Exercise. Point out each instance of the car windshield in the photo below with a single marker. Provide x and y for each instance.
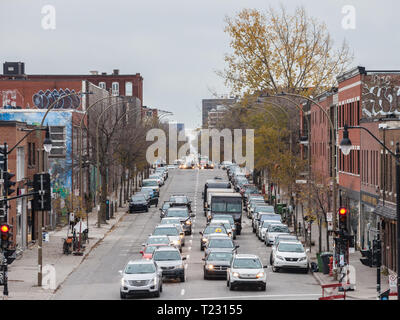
(166, 255)
(291, 247)
(169, 231)
(274, 217)
(135, 268)
(179, 199)
(282, 228)
(226, 207)
(177, 213)
(138, 198)
(220, 243)
(150, 183)
(248, 263)
(220, 256)
(264, 209)
(170, 221)
(158, 240)
(215, 229)
(224, 217)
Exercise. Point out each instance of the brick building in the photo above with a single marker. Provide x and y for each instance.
(23, 162)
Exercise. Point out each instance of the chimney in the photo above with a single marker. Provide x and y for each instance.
(116, 72)
(94, 73)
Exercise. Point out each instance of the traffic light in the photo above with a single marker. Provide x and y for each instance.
(42, 196)
(5, 231)
(376, 253)
(342, 218)
(8, 183)
(367, 260)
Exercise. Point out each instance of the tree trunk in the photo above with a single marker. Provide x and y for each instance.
(120, 190)
(103, 197)
(320, 234)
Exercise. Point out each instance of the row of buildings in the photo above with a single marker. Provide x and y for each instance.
(24, 100)
(366, 177)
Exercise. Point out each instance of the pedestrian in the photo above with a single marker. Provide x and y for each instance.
(156, 202)
(71, 220)
(300, 228)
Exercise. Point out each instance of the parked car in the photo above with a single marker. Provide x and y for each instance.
(273, 230)
(171, 263)
(216, 263)
(173, 234)
(153, 198)
(266, 216)
(290, 255)
(138, 203)
(139, 277)
(151, 183)
(246, 270)
(279, 238)
(158, 177)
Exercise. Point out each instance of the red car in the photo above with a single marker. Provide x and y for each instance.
(147, 252)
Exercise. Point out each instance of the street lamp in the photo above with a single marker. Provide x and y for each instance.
(345, 146)
(47, 144)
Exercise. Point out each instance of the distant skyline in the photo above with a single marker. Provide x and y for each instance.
(175, 45)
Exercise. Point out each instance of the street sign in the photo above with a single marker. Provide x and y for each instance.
(393, 282)
(301, 181)
(329, 217)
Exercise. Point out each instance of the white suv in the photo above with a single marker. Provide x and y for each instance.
(290, 255)
(246, 270)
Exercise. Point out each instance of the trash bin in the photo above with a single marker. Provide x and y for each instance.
(107, 209)
(320, 268)
(325, 261)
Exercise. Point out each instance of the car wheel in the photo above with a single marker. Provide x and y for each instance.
(231, 287)
(157, 294)
(205, 276)
(122, 295)
(147, 209)
(160, 288)
(263, 287)
(270, 259)
(182, 278)
(275, 269)
(306, 270)
(180, 249)
(254, 230)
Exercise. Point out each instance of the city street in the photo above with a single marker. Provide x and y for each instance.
(97, 276)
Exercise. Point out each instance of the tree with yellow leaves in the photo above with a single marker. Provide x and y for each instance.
(275, 51)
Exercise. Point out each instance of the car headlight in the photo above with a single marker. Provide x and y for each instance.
(280, 258)
(204, 240)
(260, 275)
(188, 222)
(181, 236)
(177, 242)
(209, 267)
(124, 282)
(236, 275)
(303, 258)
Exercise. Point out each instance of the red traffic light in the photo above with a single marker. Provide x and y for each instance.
(4, 228)
(342, 211)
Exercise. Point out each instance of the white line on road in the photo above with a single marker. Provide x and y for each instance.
(182, 292)
(261, 296)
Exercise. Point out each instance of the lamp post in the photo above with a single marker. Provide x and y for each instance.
(345, 147)
(41, 169)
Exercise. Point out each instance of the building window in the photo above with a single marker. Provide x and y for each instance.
(102, 85)
(128, 89)
(57, 135)
(115, 89)
(20, 163)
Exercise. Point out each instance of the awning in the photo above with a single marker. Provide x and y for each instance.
(386, 212)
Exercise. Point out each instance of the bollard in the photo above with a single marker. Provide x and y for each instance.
(107, 209)
(112, 210)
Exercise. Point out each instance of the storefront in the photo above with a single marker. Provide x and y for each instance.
(387, 216)
(368, 220)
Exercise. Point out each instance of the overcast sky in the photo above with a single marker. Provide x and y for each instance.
(176, 45)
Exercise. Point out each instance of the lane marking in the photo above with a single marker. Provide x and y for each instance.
(182, 292)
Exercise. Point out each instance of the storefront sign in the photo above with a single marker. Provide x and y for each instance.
(368, 199)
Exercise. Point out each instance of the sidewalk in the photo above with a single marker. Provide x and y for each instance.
(22, 275)
(365, 277)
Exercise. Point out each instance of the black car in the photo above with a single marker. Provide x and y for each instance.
(216, 263)
(164, 208)
(181, 201)
(137, 203)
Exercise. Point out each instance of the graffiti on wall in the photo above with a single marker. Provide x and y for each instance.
(381, 95)
(44, 99)
(9, 97)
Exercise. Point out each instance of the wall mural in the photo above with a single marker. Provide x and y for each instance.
(43, 99)
(9, 97)
(380, 95)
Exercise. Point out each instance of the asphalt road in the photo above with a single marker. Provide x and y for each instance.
(97, 277)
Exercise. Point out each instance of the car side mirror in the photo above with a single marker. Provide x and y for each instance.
(237, 247)
(201, 232)
(307, 250)
(141, 251)
(120, 272)
(265, 267)
(192, 215)
(183, 258)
